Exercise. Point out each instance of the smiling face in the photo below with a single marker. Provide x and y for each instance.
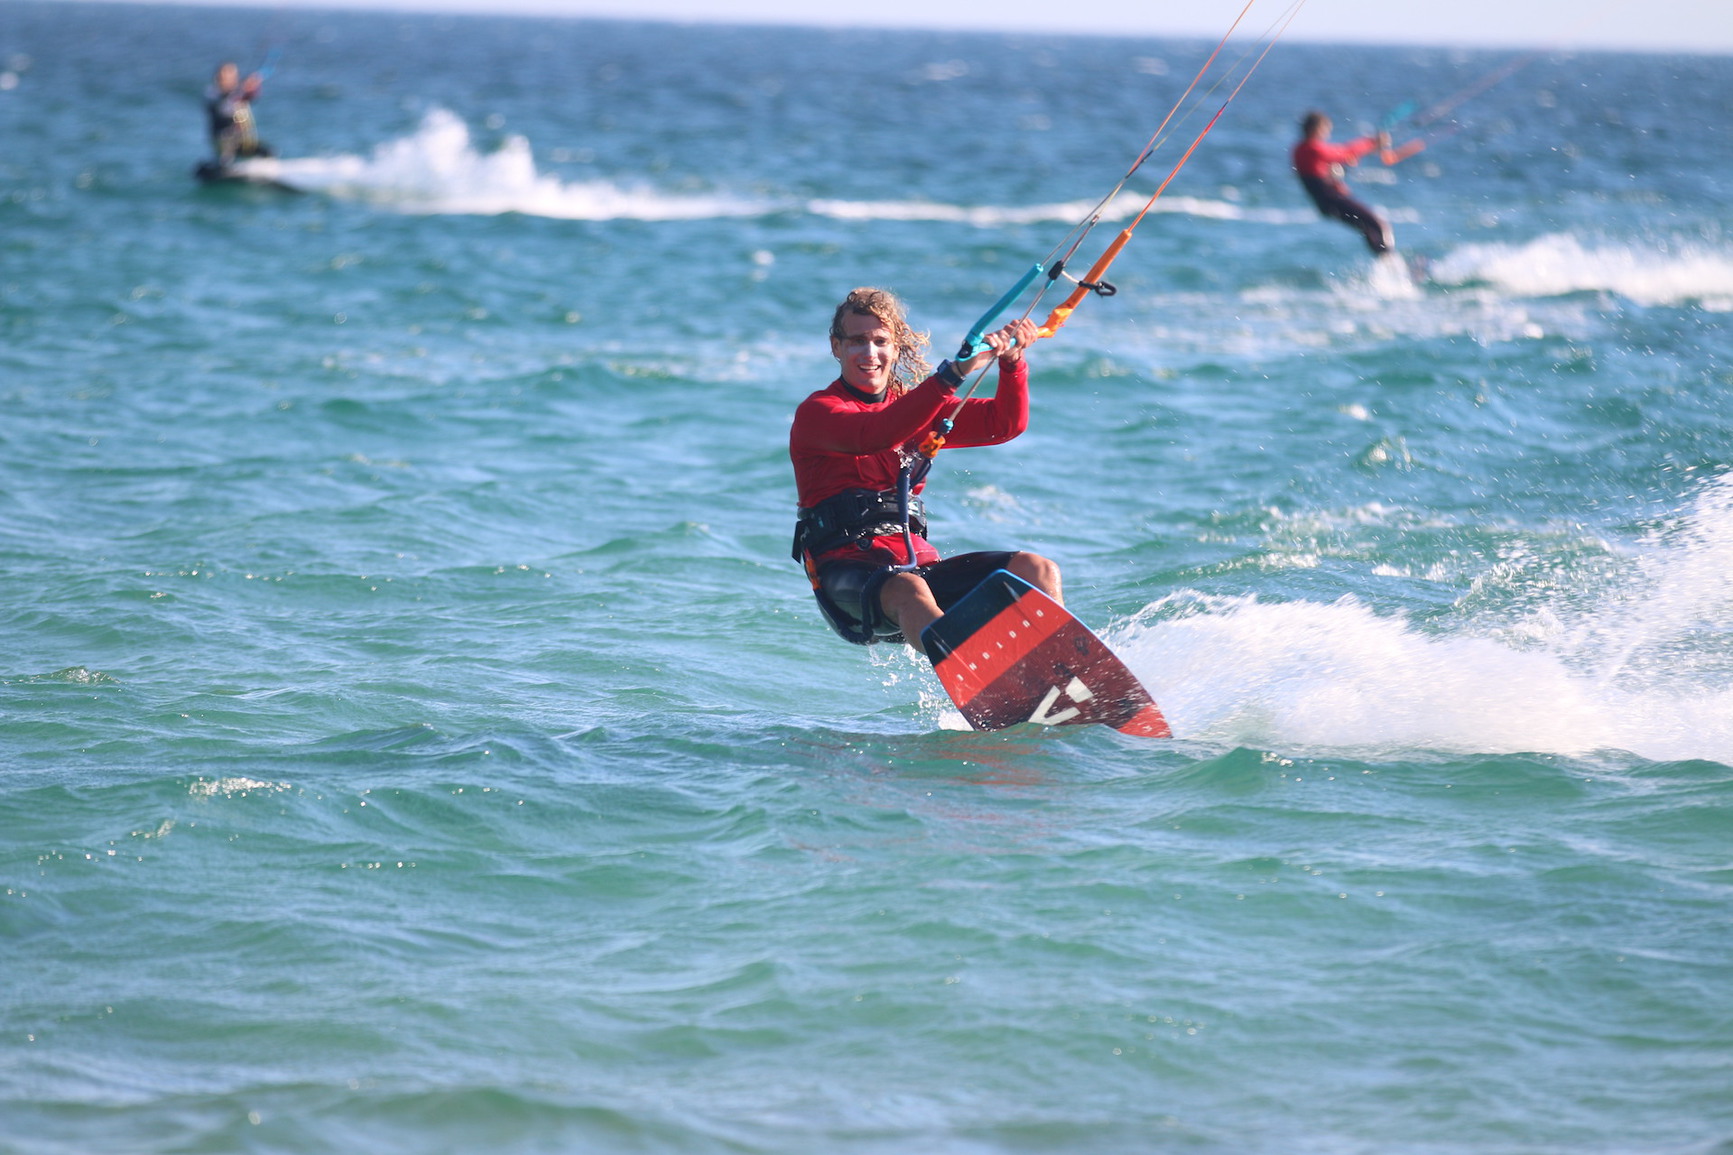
(867, 351)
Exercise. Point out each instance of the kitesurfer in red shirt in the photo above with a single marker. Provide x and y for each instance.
(1319, 162)
(850, 443)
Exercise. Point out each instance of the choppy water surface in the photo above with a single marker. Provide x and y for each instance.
(414, 737)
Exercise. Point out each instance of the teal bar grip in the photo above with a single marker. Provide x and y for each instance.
(972, 343)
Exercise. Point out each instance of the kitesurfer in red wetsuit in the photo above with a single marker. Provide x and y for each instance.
(849, 445)
(1318, 162)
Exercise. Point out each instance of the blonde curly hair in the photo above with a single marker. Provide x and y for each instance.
(884, 305)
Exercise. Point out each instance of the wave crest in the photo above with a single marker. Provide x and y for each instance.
(1557, 264)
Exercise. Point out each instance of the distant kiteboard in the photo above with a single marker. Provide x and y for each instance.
(260, 172)
(1008, 653)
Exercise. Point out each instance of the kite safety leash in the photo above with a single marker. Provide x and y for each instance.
(1095, 280)
(1098, 272)
(1053, 265)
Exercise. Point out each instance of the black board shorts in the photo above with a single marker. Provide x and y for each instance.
(1351, 212)
(851, 586)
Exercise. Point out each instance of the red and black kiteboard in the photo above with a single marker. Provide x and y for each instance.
(1008, 653)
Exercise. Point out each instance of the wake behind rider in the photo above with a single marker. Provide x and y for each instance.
(851, 441)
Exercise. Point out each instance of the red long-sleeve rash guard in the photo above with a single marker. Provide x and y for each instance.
(1317, 159)
(840, 442)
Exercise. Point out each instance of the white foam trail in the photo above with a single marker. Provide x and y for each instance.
(1645, 670)
(1663, 274)
(437, 169)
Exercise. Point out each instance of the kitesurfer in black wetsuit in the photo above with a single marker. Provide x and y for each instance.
(229, 106)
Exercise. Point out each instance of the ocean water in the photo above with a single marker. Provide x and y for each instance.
(415, 738)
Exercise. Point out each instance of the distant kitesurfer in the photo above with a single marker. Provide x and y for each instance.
(229, 105)
(850, 443)
(1319, 163)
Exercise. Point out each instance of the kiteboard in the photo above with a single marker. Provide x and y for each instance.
(1007, 653)
(260, 172)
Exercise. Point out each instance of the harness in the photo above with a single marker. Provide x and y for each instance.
(854, 517)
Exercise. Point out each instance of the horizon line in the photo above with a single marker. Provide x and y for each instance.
(543, 9)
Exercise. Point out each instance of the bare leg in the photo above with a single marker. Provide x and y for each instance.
(1040, 572)
(906, 600)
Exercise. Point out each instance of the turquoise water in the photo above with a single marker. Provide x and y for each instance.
(415, 738)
